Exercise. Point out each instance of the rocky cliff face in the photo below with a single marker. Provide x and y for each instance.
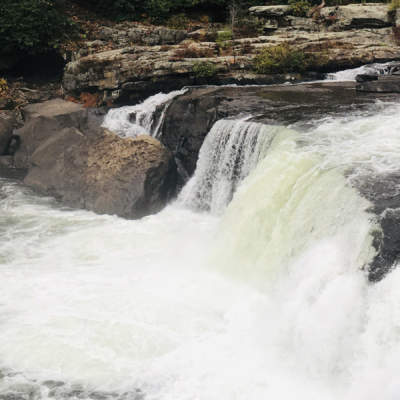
(129, 62)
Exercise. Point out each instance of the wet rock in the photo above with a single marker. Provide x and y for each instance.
(13, 396)
(190, 116)
(383, 84)
(6, 162)
(384, 194)
(366, 78)
(8, 122)
(53, 384)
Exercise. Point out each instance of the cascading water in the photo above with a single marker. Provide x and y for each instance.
(230, 151)
(141, 119)
(267, 301)
(370, 69)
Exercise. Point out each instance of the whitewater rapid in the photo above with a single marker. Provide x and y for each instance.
(264, 298)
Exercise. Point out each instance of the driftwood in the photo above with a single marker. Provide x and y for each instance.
(315, 12)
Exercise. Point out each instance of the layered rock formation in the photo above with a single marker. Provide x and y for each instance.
(129, 62)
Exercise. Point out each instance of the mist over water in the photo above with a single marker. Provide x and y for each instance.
(266, 298)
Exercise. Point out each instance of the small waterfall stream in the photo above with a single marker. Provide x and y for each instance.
(145, 118)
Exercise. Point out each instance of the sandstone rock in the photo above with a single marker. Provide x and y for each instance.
(7, 125)
(104, 173)
(44, 120)
(270, 11)
(132, 73)
(357, 16)
(302, 24)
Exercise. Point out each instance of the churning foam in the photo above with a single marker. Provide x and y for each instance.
(370, 69)
(267, 301)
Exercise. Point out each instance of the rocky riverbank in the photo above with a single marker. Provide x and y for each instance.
(129, 62)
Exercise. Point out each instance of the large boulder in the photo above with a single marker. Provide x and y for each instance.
(104, 173)
(44, 120)
(69, 156)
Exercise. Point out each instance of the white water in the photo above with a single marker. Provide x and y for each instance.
(370, 69)
(140, 119)
(231, 150)
(266, 302)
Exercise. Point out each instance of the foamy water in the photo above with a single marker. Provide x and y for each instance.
(266, 301)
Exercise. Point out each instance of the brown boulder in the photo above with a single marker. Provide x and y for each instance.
(104, 173)
(44, 120)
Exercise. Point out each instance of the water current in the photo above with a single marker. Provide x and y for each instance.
(249, 286)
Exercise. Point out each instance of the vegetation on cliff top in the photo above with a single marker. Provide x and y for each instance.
(32, 26)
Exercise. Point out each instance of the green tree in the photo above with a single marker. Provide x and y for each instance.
(32, 26)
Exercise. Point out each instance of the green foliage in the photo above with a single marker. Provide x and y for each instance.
(3, 87)
(32, 26)
(394, 5)
(299, 8)
(158, 10)
(282, 59)
(179, 21)
(204, 70)
(224, 39)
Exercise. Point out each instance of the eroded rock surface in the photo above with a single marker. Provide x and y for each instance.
(70, 157)
(131, 62)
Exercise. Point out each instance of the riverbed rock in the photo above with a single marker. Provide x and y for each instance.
(104, 173)
(7, 124)
(382, 84)
(189, 117)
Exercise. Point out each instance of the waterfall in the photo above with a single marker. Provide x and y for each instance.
(262, 295)
(370, 69)
(229, 153)
(145, 118)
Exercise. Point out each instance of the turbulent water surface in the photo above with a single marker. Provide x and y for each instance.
(261, 298)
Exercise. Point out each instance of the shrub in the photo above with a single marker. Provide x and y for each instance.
(394, 5)
(299, 8)
(204, 70)
(3, 87)
(32, 26)
(281, 59)
(180, 21)
(187, 51)
(224, 39)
